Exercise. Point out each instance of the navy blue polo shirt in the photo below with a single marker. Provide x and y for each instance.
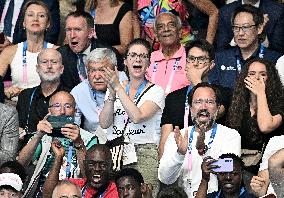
(226, 71)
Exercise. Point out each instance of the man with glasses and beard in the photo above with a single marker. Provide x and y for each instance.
(185, 149)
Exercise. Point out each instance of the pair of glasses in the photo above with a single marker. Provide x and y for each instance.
(208, 102)
(47, 62)
(134, 56)
(200, 59)
(245, 28)
(58, 106)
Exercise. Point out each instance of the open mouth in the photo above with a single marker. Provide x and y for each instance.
(97, 178)
(74, 43)
(137, 66)
(229, 185)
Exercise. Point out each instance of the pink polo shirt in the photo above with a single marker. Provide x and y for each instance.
(169, 74)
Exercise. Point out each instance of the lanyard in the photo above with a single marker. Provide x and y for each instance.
(140, 89)
(260, 55)
(170, 80)
(242, 191)
(30, 105)
(69, 158)
(186, 108)
(25, 69)
(211, 139)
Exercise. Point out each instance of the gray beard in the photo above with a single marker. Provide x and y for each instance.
(204, 126)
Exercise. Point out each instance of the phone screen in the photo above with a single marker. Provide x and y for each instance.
(225, 165)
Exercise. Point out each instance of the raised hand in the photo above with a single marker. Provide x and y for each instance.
(71, 131)
(44, 126)
(111, 78)
(194, 73)
(57, 148)
(207, 167)
(258, 186)
(181, 141)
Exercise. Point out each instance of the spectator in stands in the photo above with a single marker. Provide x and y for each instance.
(230, 183)
(167, 68)
(12, 14)
(21, 57)
(130, 184)
(275, 168)
(138, 105)
(150, 10)
(66, 189)
(33, 103)
(247, 25)
(98, 166)
(79, 34)
(90, 94)
(260, 184)
(257, 109)
(14, 167)
(71, 137)
(200, 60)
(184, 150)
(273, 30)
(113, 22)
(10, 185)
(9, 133)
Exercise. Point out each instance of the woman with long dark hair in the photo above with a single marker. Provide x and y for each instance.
(257, 108)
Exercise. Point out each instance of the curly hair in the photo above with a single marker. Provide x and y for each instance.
(240, 101)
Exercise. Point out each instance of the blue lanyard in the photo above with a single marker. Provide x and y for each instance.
(212, 136)
(25, 48)
(186, 107)
(140, 89)
(30, 105)
(260, 55)
(242, 191)
(69, 158)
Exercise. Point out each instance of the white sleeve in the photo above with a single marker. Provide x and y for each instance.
(171, 162)
(232, 143)
(78, 113)
(155, 94)
(274, 144)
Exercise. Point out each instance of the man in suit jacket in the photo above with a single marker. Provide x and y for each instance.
(273, 30)
(9, 133)
(20, 34)
(79, 33)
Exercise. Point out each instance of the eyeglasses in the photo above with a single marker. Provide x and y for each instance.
(91, 163)
(200, 59)
(46, 62)
(134, 56)
(58, 106)
(208, 102)
(245, 28)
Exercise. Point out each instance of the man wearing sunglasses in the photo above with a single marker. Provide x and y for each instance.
(40, 147)
(247, 26)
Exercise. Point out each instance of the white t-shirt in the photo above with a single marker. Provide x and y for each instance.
(280, 67)
(174, 165)
(275, 144)
(144, 132)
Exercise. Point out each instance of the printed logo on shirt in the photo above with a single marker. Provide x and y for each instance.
(229, 68)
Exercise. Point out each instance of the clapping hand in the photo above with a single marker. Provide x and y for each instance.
(111, 78)
(181, 141)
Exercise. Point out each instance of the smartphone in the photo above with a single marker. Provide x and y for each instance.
(2, 38)
(225, 165)
(58, 122)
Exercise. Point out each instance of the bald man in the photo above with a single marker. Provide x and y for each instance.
(40, 149)
(33, 103)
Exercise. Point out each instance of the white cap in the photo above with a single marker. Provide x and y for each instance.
(11, 179)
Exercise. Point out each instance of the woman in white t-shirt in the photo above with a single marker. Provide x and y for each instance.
(22, 57)
(143, 127)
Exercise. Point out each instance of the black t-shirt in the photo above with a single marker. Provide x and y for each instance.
(34, 111)
(175, 103)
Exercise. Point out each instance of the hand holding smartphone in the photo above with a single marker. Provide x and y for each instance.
(224, 165)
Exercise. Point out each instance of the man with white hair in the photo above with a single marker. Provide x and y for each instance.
(90, 93)
(66, 188)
